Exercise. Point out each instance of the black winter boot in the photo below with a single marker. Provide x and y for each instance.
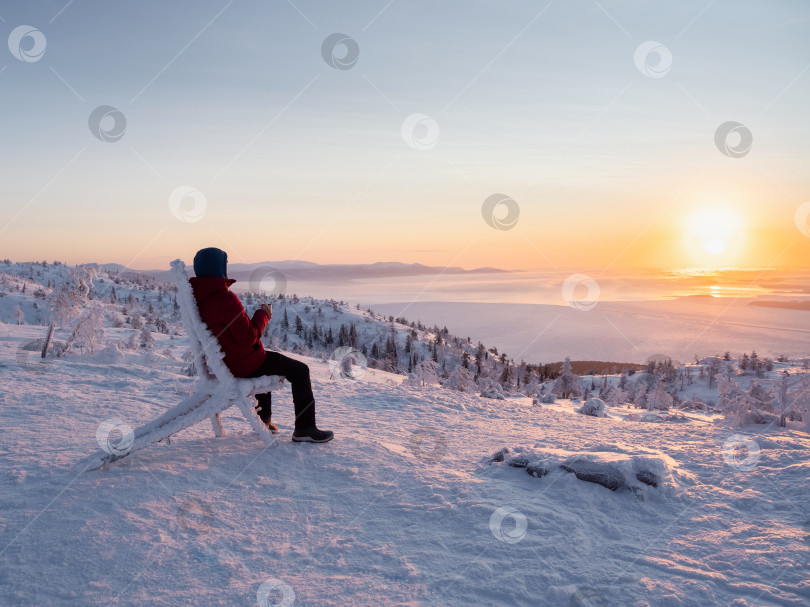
(312, 435)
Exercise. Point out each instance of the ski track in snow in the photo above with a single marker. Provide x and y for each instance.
(397, 510)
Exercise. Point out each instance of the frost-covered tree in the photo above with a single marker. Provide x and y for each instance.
(780, 392)
(800, 408)
(132, 341)
(146, 338)
(67, 299)
(605, 389)
(745, 363)
(617, 396)
(712, 371)
(637, 393)
(534, 387)
(88, 332)
(567, 384)
(659, 399)
(791, 395)
(480, 356)
(506, 375)
(19, 315)
(460, 380)
(760, 396)
(741, 406)
(424, 374)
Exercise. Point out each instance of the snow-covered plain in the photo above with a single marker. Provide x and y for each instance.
(621, 330)
(402, 508)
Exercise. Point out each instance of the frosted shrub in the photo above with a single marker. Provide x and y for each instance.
(490, 388)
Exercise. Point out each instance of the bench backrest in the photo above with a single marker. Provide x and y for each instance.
(205, 348)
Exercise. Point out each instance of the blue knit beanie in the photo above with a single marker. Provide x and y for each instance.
(211, 262)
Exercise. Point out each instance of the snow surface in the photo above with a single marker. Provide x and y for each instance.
(402, 508)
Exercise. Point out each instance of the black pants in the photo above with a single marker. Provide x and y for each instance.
(297, 373)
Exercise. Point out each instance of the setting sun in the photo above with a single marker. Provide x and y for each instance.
(714, 231)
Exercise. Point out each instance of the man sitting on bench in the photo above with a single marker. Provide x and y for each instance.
(240, 339)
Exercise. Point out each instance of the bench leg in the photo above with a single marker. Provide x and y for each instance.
(216, 424)
(246, 405)
(184, 406)
(210, 405)
(191, 410)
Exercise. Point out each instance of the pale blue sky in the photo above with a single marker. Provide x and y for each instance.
(541, 101)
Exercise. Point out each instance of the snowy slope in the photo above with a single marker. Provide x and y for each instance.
(402, 508)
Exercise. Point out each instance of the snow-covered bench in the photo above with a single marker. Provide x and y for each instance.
(215, 390)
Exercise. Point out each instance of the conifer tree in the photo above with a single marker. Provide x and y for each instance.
(566, 385)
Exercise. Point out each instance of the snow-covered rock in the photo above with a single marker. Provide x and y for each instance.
(618, 468)
(594, 407)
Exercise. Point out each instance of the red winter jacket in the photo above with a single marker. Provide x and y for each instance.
(239, 336)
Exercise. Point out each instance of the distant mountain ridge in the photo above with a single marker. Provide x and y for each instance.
(307, 270)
